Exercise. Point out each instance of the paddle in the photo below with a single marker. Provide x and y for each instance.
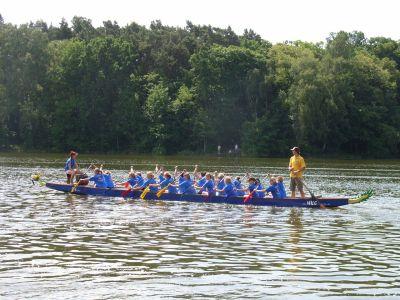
(311, 193)
(162, 191)
(249, 196)
(128, 189)
(144, 193)
(74, 186)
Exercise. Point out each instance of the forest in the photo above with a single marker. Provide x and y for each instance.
(173, 90)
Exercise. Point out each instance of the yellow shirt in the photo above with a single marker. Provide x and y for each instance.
(297, 163)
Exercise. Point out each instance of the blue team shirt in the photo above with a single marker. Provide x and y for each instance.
(161, 178)
(273, 189)
(281, 189)
(171, 189)
(108, 180)
(238, 186)
(220, 186)
(208, 186)
(132, 181)
(260, 194)
(186, 187)
(98, 180)
(68, 162)
(257, 187)
(229, 190)
(139, 180)
(150, 181)
(202, 181)
(252, 187)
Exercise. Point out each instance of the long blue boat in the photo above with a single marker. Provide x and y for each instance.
(316, 202)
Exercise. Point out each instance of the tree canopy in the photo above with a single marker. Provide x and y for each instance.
(168, 90)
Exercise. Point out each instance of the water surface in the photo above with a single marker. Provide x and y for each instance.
(55, 245)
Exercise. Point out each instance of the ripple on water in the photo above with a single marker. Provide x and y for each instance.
(62, 246)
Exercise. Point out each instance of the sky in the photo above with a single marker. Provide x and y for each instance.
(276, 21)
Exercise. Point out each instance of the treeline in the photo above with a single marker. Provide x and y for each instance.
(170, 90)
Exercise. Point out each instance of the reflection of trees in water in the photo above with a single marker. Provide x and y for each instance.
(295, 219)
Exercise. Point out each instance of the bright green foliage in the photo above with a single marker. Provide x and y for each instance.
(167, 90)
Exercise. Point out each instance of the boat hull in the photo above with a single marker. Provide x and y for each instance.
(121, 192)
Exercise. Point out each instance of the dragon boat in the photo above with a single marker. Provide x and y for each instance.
(316, 202)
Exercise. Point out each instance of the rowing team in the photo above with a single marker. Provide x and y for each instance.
(186, 183)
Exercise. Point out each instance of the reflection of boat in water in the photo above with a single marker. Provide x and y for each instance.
(286, 202)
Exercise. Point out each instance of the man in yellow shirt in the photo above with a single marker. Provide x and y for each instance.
(296, 168)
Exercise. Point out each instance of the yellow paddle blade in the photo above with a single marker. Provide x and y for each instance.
(160, 192)
(146, 190)
(74, 187)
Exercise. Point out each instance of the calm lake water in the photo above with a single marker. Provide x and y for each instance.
(60, 246)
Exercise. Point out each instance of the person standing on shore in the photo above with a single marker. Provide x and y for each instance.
(296, 168)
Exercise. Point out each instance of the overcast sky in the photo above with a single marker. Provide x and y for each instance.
(276, 21)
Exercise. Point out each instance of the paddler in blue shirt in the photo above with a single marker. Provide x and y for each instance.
(160, 173)
(281, 187)
(239, 187)
(168, 181)
(259, 189)
(150, 181)
(186, 185)
(273, 188)
(208, 185)
(132, 180)
(220, 183)
(202, 180)
(228, 189)
(139, 179)
(254, 184)
(71, 167)
(107, 177)
(98, 179)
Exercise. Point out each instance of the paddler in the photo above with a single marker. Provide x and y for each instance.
(239, 187)
(132, 180)
(273, 188)
(150, 181)
(256, 186)
(107, 177)
(228, 189)
(160, 173)
(185, 184)
(71, 167)
(296, 168)
(208, 185)
(139, 179)
(168, 180)
(202, 180)
(220, 183)
(98, 179)
(281, 187)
